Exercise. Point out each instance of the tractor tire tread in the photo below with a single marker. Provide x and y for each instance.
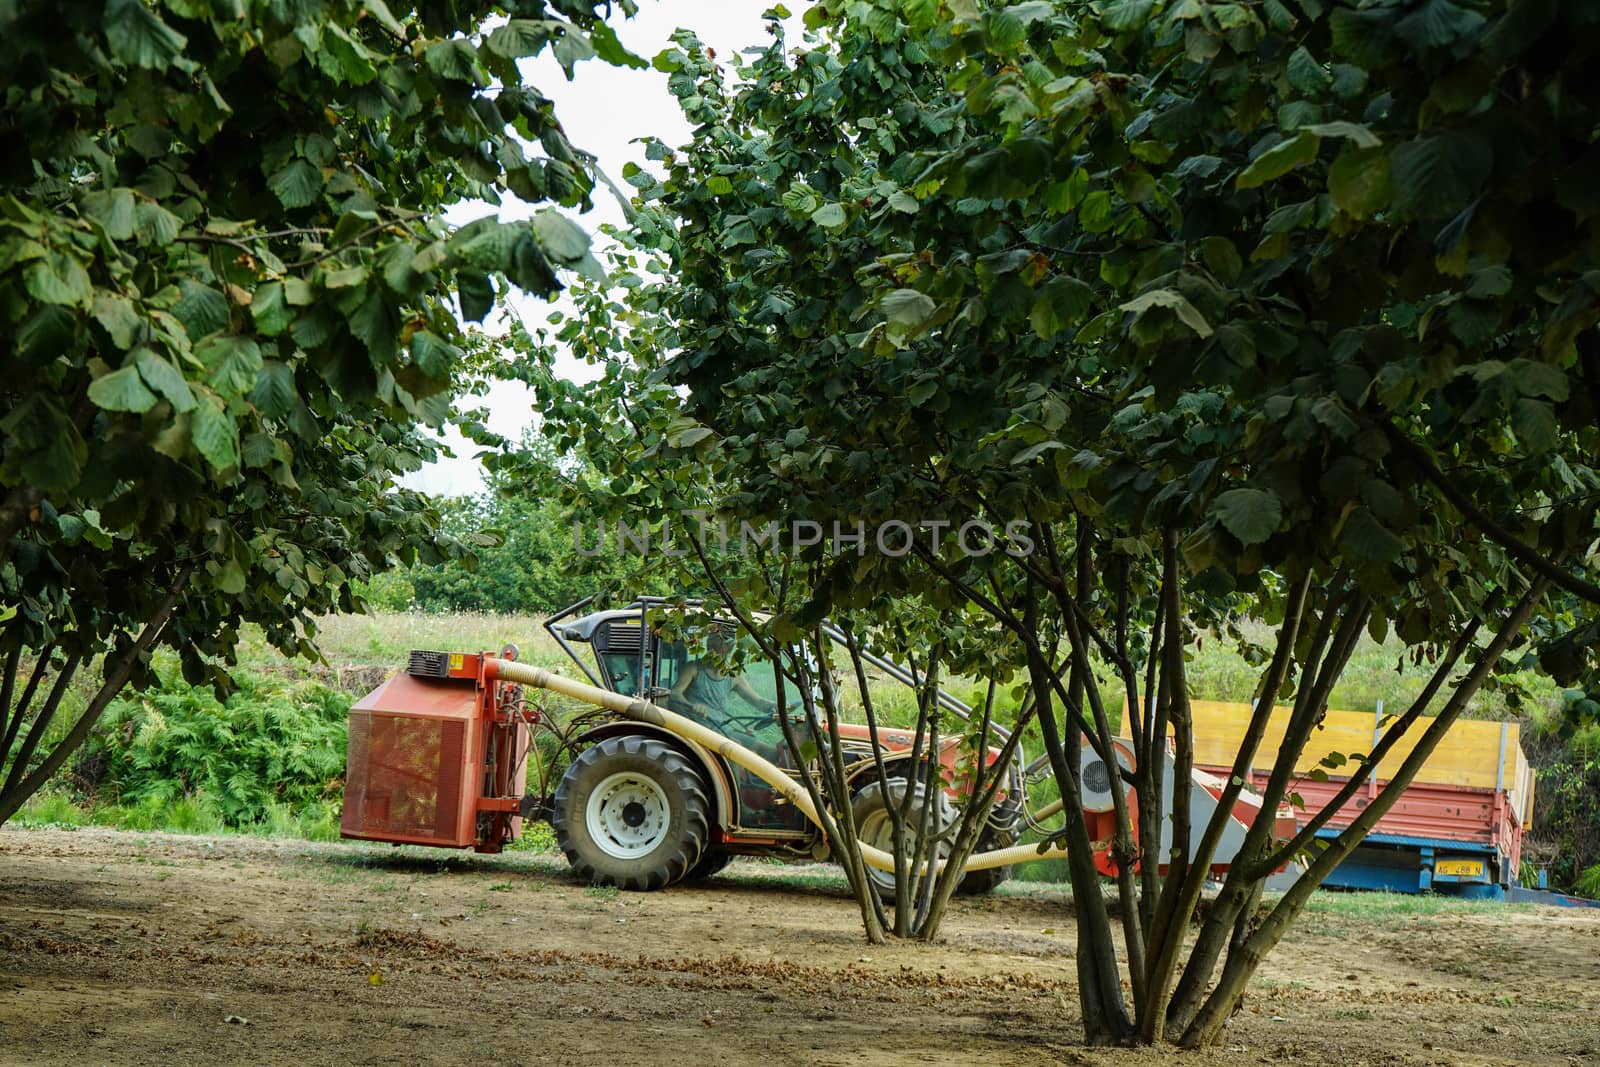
(669, 862)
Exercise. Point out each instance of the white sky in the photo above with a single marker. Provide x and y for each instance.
(604, 109)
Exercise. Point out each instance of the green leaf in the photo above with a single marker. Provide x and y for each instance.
(352, 62)
(274, 393)
(453, 60)
(346, 277)
(1120, 16)
(1280, 160)
(1222, 258)
(432, 355)
(521, 37)
(297, 292)
(372, 323)
(14, 250)
(1251, 515)
(1540, 379)
(269, 309)
(1176, 302)
(561, 239)
(379, 10)
(1362, 36)
(1489, 283)
(800, 200)
(57, 278)
(155, 226)
(1348, 80)
(1368, 539)
(1355, 132)
(689, 436)
(117, 316)
(121, 390)
(1358, 182)
(1438, 22)
(113, 209)
(1279, 17)
(230, 578)
(234, 362)
(1033, 452)
(609, 48)
(165, 379)
(1062, 302)
(476, 294)
(908, 307)
(201, 309)
(741, 232)
(1436, 176)
(902, 201)
(1306, 73)
(137, 37)
(257, 450)
(214, 434)
(829, 216)
(296, 184)
(571, 48)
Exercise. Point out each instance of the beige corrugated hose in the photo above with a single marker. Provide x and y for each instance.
(733, 752)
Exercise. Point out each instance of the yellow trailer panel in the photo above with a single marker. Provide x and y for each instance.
(1476, 754)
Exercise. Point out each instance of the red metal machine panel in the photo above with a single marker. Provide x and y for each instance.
(1445, 812)
(410, 767)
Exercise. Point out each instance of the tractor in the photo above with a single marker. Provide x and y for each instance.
(682, 764)
(439, 755)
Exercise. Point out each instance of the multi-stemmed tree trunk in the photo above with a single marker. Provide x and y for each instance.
(930, 839)
(1177, 994)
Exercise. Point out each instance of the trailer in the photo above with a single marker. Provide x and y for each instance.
(1457, 829)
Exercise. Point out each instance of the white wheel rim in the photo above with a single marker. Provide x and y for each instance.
(627, 815)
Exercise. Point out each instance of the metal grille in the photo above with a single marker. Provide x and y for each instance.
(619, 637)
(404, 777)
(423, 664)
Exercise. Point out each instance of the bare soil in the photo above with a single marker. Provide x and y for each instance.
(143, 948)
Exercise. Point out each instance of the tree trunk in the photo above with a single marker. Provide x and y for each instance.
(17, 791)
(1243, 961)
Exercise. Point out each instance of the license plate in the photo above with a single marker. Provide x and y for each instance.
(1459, 868)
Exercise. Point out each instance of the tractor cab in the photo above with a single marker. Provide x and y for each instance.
(698, 675)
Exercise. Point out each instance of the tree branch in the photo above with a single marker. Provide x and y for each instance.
(1519, 550)
(116, 678)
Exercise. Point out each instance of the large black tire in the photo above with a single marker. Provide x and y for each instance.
(710, 862)
(874, 825)
(1003, 831)
(631, 812)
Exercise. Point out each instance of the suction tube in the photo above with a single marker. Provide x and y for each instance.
(733, 752)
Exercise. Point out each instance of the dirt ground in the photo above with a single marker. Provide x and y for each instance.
(143, 948)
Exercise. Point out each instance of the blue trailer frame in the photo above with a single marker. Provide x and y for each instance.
(1400, 864)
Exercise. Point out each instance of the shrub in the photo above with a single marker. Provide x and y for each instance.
(176, 758)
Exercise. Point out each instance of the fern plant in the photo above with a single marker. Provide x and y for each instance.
(275, 745)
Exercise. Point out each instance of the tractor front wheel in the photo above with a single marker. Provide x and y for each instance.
(875, 823)
(631, 812)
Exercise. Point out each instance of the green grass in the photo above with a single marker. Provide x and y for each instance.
(1381, 909)
(384, 639)
(192, 814)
